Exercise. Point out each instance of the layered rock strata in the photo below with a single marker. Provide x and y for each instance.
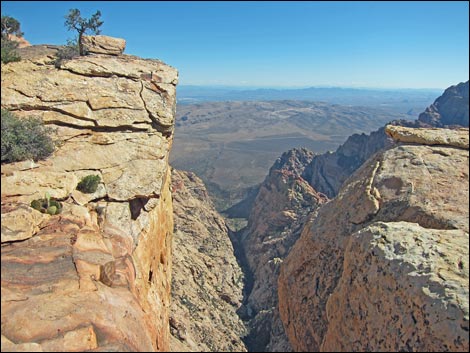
(103, 45)
(278, 215)
(384, 266)
(207, 282)
(96, 276)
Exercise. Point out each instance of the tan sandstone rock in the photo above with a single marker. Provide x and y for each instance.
(383, 266)
(22, 43)
(407, 287)
(97, 276)
(81, 93)
(20, 222)
(100, 44)
(427, 136)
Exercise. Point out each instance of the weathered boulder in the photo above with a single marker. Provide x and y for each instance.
(207, 282)
(431, 137)
(407, 288)
(97, 276)
(100, 44)
(384, 266)
(20, 222)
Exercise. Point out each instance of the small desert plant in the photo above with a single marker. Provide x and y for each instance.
(69, 51)
(9, 53)
(47, 205)
(89, 184)
(24, 138)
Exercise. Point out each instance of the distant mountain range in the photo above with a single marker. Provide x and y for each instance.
(411, 101)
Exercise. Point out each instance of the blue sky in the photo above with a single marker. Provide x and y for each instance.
(278, 44)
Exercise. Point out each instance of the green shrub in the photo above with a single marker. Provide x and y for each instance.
(9, 53)
(89, 184)
(24, 138)
(67, 52)
(10, 27)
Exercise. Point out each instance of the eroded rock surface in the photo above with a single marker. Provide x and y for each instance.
(279, 213)
(97, 276)
(431, 137)
(207, 281)
(103, 45)
(384, 266)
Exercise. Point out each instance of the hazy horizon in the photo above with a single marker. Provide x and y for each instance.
(286, 87)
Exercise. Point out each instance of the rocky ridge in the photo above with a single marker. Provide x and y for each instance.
(452, 108)
(97, 276)
(207, 282)
(279, 212)
(384, 265)
(328, 171)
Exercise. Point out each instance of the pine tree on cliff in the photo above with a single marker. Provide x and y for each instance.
(74, 21)
(10, 28)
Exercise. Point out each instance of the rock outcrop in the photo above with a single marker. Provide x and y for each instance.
(22, 43)
(96, 276)
(278, 215)
(103, 45)
(430, 136)
(384, 266)
(452, 108)
(207, 281)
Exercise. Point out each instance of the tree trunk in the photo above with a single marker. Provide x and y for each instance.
(80, 46)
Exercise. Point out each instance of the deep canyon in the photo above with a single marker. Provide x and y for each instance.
(364, 248)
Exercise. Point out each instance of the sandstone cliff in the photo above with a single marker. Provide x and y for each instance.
(278, 215)
(384, 266)
(207, 281)
(97, 276)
